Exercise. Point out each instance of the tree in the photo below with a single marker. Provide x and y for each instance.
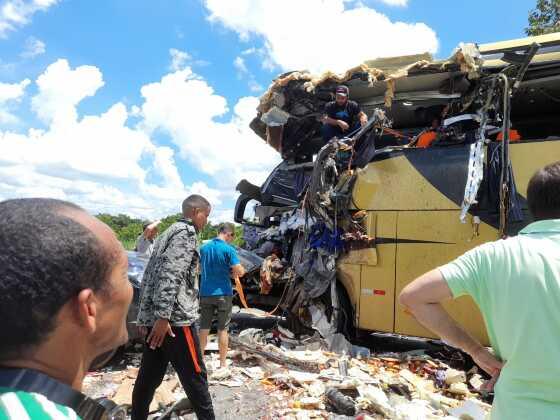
(545, 18)
(128, 229)
(125, 227)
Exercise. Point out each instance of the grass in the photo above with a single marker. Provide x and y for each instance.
(129, 244)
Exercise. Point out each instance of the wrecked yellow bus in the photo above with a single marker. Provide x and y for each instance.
(343, 225)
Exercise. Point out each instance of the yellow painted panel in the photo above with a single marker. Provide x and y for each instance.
(450, 238)
(394, 184)
(527, 158)
(377, 302)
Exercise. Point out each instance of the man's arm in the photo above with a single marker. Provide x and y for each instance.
(334, 122)
(362, 118)
(423, 298)
(330, 118)
(150, 229)
(237, 271)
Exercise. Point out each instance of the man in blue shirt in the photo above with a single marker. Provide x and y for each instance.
(219, 263)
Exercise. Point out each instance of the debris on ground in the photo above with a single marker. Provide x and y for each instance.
(309, 383)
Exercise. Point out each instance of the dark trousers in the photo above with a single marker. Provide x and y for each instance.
(183, 351)
(329, 131)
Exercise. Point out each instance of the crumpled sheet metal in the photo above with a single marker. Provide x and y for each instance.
(474, 177)
(466, 55)
(469, 58)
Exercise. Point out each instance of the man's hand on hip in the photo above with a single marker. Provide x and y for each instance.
(160, 329)
(487, 361)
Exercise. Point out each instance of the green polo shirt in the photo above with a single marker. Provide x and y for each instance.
(19, 405)
(516, 284)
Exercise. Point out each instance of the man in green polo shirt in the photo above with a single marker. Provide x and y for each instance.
(516, 284)
(64, 297)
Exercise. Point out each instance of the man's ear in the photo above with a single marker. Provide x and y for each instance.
(86, 305)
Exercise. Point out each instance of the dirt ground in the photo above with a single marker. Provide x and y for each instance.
(399, 380)
(249, 401)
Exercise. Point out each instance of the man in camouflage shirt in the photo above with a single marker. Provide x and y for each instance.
(168, 311)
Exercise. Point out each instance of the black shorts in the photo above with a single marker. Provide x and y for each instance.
(212, 306)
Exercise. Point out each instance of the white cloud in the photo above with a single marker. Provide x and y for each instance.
(401, 3)
(106, 165)
(33, 47)
(239, 64)
(221, 215)
(61, 89)
(310, 41)
(96, 161)
(11, 93)
(249, 51)
(243, 71)
(182, 59)
(17, 13)
(179, 59)
(183, 105)
(255, 87)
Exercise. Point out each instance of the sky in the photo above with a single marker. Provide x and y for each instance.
(128, 106)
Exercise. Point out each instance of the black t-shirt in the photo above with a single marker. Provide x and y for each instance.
(347, 113)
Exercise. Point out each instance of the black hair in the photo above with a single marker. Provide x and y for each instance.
(543, 193)
(226, 228)
(194, 201)
(46, 258)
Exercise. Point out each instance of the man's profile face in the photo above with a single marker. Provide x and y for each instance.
(230, 236)
(341, 99)
(200, 218)
(114, 301)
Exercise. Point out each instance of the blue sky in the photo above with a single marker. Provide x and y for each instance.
(126, 106)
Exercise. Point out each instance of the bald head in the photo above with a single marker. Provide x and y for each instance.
(50, 250)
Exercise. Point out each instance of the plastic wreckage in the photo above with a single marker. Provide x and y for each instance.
(301, 379)
(343, 226)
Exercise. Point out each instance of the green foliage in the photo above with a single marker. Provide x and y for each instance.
(168, 221)
(211, 231)
(545, 18)
(125, 227)
(128, 229)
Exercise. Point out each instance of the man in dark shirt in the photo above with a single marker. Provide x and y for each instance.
(342, 116)
(169, 311)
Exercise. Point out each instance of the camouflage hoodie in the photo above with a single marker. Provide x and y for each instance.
(169, 282)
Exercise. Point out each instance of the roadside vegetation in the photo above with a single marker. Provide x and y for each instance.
(128, 228)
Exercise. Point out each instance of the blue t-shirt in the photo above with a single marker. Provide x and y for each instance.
(216, 259)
